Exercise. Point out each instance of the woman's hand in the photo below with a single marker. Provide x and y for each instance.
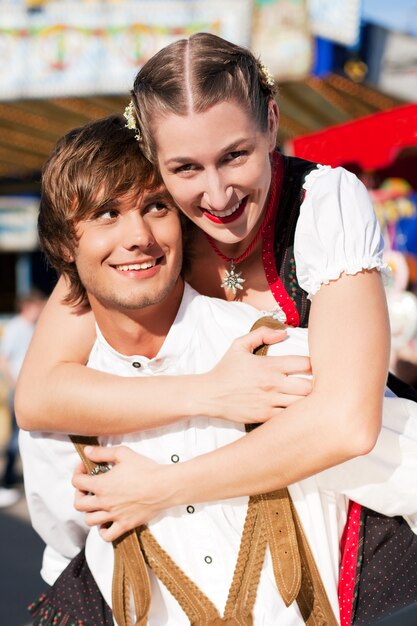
(123, 498)
(245, 388)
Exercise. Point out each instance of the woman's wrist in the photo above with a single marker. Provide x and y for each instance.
(197, 396)
(174, 485)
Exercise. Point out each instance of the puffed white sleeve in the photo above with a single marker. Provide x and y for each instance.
(337, 230)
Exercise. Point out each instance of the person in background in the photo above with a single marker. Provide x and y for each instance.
(13, 346)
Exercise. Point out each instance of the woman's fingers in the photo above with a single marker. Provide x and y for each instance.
(246, 388)
(256, 338)
(80, 469)
(109, 454)
(84, 482)
(291, 364)
(85, 502)
(292, 384)
(113, 532)
(128, 495)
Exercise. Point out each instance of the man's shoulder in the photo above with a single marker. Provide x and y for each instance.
(235, 317)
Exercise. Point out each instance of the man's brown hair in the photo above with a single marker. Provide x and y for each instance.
(88, 167)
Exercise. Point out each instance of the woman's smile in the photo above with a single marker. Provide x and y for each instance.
(228, 215)
(216, 165)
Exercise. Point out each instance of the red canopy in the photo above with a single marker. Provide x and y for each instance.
(372, 142)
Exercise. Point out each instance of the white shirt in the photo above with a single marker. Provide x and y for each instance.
(200, 335)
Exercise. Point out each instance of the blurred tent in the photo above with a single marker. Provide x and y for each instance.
(380, 147)
(29, 128)
(372, 142)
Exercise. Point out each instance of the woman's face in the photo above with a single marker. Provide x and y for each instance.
(216, 165)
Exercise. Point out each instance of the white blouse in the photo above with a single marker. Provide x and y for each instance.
(337, 230)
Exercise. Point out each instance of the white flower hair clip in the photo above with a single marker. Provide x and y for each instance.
(129, 116)
(268, 76)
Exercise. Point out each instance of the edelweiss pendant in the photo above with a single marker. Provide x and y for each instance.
(232, 279)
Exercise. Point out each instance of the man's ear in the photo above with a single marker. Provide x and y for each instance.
(273, 123)
(67, 255)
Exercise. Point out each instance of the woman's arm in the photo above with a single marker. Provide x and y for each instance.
(57, 392)
(340, 419)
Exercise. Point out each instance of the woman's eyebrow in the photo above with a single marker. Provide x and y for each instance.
(236, 144)
(180, 159)
(183, 160)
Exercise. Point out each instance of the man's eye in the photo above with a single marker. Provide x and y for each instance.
(157, 207)
(106, 215)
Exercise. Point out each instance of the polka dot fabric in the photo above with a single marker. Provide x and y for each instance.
(388, 569)
(74, 600)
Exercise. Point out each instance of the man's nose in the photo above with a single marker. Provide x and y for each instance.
(217, 192)
(137, 232)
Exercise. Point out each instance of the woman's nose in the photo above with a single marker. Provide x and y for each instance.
(217, 193)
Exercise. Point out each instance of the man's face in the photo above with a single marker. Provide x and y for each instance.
(129, 254)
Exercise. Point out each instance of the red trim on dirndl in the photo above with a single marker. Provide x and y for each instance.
(349, 547)
(275, 284)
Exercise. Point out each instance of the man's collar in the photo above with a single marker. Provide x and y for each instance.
(175, 343)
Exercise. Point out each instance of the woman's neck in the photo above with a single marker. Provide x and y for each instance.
(207, 273)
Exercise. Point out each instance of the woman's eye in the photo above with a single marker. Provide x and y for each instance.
(188, 167)
(236, 155)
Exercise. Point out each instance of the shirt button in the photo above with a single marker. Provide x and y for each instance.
(190, 509)
(136, 364)
(208, 559)
(175, 458)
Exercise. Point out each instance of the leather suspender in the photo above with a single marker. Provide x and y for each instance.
(295, 570)
(271, 520)
(129, 573)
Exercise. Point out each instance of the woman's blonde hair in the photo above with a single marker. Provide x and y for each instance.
(191, 75)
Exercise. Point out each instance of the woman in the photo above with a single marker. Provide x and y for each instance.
(206, 117)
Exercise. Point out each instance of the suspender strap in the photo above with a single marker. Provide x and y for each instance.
(195, 604)
(277, 516)
(242, 593)
(312, 599)
(129, 573)
(295, 569)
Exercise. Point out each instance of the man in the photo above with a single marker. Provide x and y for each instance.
(118, 240)
(13, 346)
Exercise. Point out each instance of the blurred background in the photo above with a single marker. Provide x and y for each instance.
(347, 75)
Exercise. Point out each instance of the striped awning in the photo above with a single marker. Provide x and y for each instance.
(30, 128)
